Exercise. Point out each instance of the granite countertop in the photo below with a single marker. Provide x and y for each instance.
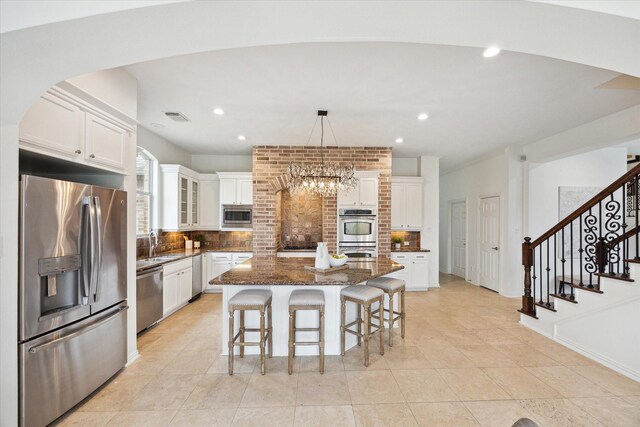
(290, 271)
(176, 255)
(410, 250)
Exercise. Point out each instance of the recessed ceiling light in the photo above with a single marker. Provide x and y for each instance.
(157, 125)
(242, 137)
(399, 140)
(423, 116)
(490, 52)
(218, 111)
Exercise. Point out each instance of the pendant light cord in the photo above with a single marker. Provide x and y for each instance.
(322, 142)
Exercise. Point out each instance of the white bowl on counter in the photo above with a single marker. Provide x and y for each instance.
(337, 262)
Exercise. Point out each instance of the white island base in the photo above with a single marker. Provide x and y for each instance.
(304, 319)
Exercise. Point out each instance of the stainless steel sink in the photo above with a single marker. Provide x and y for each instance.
(165, 257)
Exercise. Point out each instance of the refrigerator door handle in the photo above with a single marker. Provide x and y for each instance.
(86, 250)
(57, 341)
(98, 211)
(92, 246)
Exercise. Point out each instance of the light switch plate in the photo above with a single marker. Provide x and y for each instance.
(407, 243)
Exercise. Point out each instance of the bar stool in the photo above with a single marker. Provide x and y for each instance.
(258, 299)
(390, 287)
(306, 299)
(361, 295)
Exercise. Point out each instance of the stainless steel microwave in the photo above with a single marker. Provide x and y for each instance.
(237, 216)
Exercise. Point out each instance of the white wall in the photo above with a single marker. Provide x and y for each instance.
(405, 166)
(616, 128)
(9, 276)
(114, 87)
(209, 163)
(484, 178)
(429, 168)
(595, 169)
(162, 149)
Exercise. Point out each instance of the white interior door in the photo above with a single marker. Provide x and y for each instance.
(489, 238)
(459, 239)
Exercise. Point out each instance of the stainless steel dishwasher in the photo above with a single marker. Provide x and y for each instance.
(148, 298)
(196, 281)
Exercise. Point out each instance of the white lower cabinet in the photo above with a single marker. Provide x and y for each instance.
(416, 269)
(176, 285)
(170, 284)
(218, 263)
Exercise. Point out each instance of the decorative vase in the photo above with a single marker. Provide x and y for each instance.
(322, 256)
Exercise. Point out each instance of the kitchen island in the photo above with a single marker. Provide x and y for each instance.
(281, 276)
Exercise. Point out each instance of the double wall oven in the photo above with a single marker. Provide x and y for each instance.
(358, 233)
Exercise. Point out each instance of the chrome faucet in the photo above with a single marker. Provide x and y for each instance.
(152, 246)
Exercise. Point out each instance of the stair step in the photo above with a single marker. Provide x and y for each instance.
(548, 306)
(576, 282)
(594, 287)
(615, 276)
(528, 314)
(564, 298)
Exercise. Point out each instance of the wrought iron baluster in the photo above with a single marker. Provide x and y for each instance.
(563, 261)
(541, 285)
(533, 266)
(635, 207)
(581, 251)
(555, 264)
(548, 269)
(624, 264)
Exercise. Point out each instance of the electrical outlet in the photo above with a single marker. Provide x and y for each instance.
(407, 243)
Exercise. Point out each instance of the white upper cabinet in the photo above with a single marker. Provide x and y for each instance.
(104, 142)
(180, 199)
(245, 189)
(364, 195)
(406, 203)
(64, 126)
(397, 205)
(236, 188)
(209, 202)
(53, 124)
(368, 192)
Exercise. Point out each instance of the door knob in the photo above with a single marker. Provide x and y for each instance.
(495, 249)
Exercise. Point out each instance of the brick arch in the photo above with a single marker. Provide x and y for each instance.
(279, 183)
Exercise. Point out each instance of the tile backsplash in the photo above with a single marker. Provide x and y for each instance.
(173, 240)
(413, 237)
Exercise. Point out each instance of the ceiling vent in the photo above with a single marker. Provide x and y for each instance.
(176, 117)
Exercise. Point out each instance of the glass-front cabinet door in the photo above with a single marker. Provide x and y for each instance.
(194, 202)
(184, 201)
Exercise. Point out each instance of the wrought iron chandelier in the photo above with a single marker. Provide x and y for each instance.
(325, 179)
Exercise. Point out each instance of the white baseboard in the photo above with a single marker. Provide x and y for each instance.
(629, 373)
(600, 359)
(132, 358)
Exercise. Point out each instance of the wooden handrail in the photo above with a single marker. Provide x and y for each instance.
(588, 205)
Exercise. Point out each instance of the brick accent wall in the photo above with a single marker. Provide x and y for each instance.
(269, 176)
(301, 219)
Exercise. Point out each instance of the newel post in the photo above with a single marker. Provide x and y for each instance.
(528, 307)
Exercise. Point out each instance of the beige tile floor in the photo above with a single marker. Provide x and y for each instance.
(465, 362)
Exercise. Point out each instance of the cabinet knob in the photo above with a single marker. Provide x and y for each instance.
(93, 156)
(78, 151)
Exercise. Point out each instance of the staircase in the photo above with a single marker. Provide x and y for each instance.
(580, 277)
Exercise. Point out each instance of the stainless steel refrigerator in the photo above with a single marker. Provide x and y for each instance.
(73, 290)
